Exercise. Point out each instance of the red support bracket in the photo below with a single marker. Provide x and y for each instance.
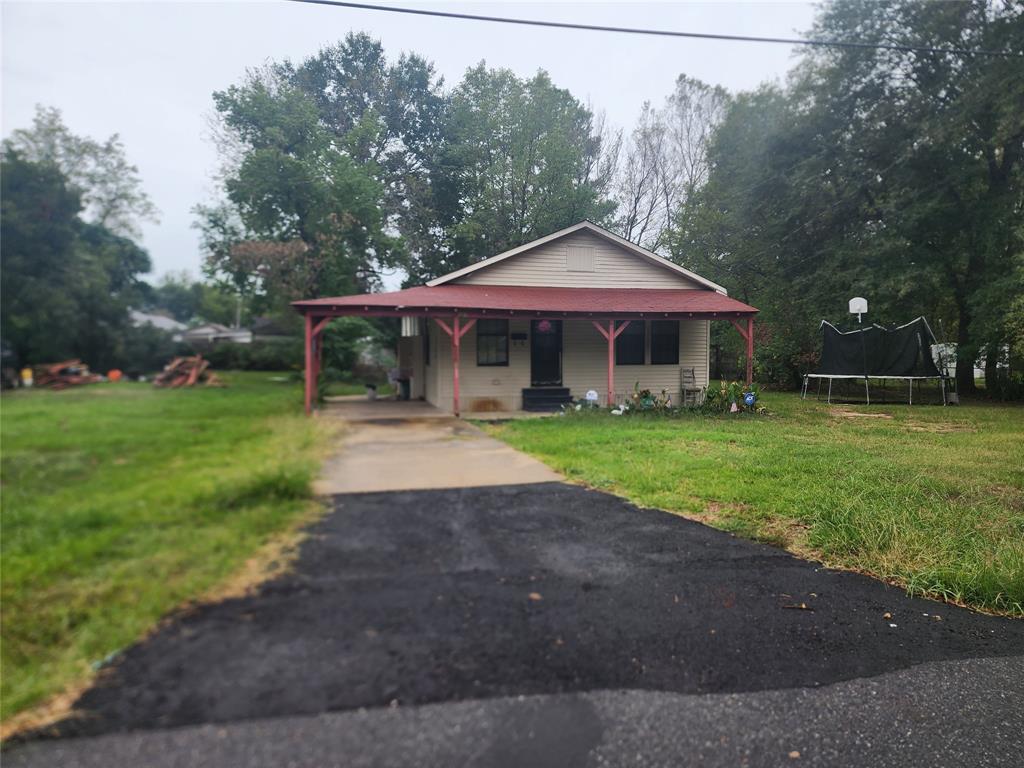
(748, 336)
(321, 325)
(444, 326)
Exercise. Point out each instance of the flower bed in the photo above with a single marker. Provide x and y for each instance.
(727, 397)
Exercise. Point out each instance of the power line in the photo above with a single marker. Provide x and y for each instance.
(660, 32)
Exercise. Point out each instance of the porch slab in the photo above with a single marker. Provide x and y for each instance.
(402, 446)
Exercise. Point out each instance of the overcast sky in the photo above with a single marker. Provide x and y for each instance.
(147, 70)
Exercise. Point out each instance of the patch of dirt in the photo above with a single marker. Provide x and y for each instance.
(717, 511)
(939, 427)
(790, 534)
(274, 559)
(847, 414)
(39, 717)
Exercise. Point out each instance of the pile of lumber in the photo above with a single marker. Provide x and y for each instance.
(69, 373)
(187, 372)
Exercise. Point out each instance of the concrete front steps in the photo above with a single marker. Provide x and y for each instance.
(545, 398)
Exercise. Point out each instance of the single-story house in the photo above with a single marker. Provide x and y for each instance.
(215, 333)
(158, 321)
(578, 310)
(271, 329)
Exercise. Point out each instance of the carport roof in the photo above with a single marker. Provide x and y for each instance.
(516, 300)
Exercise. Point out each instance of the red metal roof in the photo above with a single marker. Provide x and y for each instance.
(517, 300)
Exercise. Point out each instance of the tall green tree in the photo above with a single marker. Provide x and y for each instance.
(894, 175)
(330, 168)
(109, 185)
(527, 160)
(390, 118)
(304, 217)
(346, 165)
(66, 283)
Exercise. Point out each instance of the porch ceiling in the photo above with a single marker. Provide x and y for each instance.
(514, 300)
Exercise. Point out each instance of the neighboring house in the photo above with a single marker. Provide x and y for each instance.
(269, 329)
(215, 333)
(161, 322)
(945, 357)
(581, 309)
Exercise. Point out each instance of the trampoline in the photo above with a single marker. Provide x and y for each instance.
(879, 354)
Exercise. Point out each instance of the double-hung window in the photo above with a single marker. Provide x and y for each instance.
(629, 346)
(492, 342)
(665, 342)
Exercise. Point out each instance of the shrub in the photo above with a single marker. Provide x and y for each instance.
(284, 355)
(720, 398)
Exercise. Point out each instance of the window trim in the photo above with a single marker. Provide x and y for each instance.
(643, 341)
(504, 335)
(678, 335)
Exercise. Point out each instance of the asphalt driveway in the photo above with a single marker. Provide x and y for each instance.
(574, 621)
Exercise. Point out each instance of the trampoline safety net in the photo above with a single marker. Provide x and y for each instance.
(875, 352)
(878, 352)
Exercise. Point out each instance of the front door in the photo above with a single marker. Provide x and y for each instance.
(546, 353)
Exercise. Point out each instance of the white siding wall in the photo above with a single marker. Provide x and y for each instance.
(410, 355)
(431, 371)
(545, 265)
(584, 366)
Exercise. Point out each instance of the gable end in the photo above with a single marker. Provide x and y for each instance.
(581, 256)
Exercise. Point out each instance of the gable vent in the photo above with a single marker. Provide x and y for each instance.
(580, 258)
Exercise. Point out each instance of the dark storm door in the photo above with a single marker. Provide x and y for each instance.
(546, 353)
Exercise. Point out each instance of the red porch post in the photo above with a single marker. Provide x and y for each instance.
(310, 364)
(314, 357)
(456, 332)
(611, 335)
(750, 350)
(748, 336)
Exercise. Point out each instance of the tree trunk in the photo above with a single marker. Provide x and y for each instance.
(992, 370)
(965, 355)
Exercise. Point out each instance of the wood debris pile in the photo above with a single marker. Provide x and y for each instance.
(69, 373)
(187, 372)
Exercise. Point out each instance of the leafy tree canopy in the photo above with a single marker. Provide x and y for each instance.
(67, 283)
(109, 185)
(345, 166)
(894, 175)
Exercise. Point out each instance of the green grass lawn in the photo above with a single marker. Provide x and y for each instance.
(927, 497)
(121, 501)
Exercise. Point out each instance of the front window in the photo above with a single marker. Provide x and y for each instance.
(492, 342)
(665, 342)
(629, 347)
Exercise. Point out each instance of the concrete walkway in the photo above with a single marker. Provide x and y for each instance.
(404, 446)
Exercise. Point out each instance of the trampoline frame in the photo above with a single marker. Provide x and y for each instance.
(867, 388)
